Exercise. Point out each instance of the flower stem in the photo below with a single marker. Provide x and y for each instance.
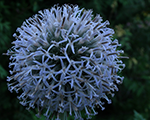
(63, 116)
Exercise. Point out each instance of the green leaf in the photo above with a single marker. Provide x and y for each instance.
(138, 116)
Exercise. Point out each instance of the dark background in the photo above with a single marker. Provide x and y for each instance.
(131, 21)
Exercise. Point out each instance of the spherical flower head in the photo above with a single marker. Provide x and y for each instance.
(64, 60)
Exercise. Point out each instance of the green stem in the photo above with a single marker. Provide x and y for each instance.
(63, 116)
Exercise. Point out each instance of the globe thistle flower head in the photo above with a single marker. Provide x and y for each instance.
(64, 60)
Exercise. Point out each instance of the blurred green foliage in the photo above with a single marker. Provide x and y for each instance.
(131, 21)
(138, 116)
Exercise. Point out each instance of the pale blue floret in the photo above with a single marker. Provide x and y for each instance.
(64, 61)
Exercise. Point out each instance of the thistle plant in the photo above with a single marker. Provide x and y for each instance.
(64, 60)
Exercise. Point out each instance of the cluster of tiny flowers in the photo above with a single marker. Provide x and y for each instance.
(64, 60)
